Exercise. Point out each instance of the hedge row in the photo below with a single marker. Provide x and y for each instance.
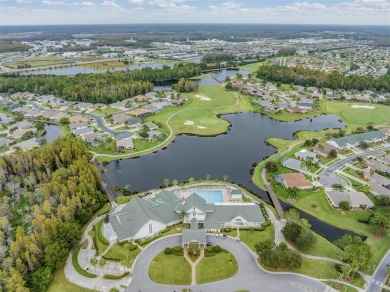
(177, 251)
(76, 264)
(98, 231)
(212, 250)
(146, 241)
(132, 245)
(116, 277)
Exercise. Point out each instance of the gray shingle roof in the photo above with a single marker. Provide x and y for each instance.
(356, 139)
(194, 200)
(192, 235)
(356, 199)
(293, 164)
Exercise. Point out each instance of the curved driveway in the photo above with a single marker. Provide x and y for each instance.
(249, 276)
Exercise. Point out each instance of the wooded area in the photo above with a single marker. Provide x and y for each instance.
(105, 87)
(47, 195)
(309, 77)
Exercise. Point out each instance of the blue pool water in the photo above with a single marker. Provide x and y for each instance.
(209, 196)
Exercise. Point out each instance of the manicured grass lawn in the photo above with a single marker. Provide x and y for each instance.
(251, 67)
(323, 211)
(105, 111)
(215, 268)
(61, 284)
(324, 248)
(100, 246)
(65, 130)
(251, 238)
(123, 199)
(118, 252)
(340, 287)
(356, 117)
(170, 269)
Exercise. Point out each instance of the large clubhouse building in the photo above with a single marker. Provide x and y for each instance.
(141, 218)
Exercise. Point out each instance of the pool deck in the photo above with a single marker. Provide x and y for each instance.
(183, 192)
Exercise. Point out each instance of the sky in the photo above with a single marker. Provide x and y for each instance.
(37, 12)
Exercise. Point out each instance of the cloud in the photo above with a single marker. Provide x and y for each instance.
(173, 5)
(110, 4)
(87, 4)
(54, 3)
(24, 1)
(231, 5)
(136, 2)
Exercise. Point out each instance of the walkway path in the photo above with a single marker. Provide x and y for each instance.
(193, 264)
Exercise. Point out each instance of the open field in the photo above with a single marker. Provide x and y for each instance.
(170, 269)
(104, 65)
(251, 67)
(218, 267)
(37, 62)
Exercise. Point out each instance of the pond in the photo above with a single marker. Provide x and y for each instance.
(232, 154)
(52, 132)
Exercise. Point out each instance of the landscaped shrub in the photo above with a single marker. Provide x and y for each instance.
(166, 229)
(259, 229)
(345, 205)
(168, 251)
(338, 268)
(146, 241)
(216, 248)
(114, 290)
(76, 264)
(116, 277)
(121, 243)
(227, 230)
(266, 223)
(209, 248)
(98, 230)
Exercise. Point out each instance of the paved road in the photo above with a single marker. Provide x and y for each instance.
(249, 276)
(380, 275)
(328, 176)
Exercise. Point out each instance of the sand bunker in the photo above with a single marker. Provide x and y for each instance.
(201, 127)
(363, 106)
(201, 97)
(188, 123)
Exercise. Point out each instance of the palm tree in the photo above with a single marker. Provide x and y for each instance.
(94, 262)
(102, 263)
(225, 176)
(207, 177)
(191, 180)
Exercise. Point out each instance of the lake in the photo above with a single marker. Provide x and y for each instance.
(232, 153)
(52, 132)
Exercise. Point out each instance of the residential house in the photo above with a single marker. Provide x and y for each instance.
(126, 143)
(306, 154)
(293, 180)
(20, 132)
(323, 149)
(151, 126)
(77, 126)
(27, 145)
(4, 142)
(295, 164)
(82, 132)
(95, 139)
(78, 119)
(355, 199)
(22, 125)
(355, 140)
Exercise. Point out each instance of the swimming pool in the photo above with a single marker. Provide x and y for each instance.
(209, 196)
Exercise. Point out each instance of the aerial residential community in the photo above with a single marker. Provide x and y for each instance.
(192, 146)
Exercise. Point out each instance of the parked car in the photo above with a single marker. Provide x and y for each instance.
(221, 236)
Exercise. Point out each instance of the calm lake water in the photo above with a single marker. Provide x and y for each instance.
(52, 132)
(232, 154)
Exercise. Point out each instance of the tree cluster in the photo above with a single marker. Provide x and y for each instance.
(186, 85)
(46, 196)
(105, 87)
(299, 235)
(357, 253)
(278, 256)
(309, 77)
